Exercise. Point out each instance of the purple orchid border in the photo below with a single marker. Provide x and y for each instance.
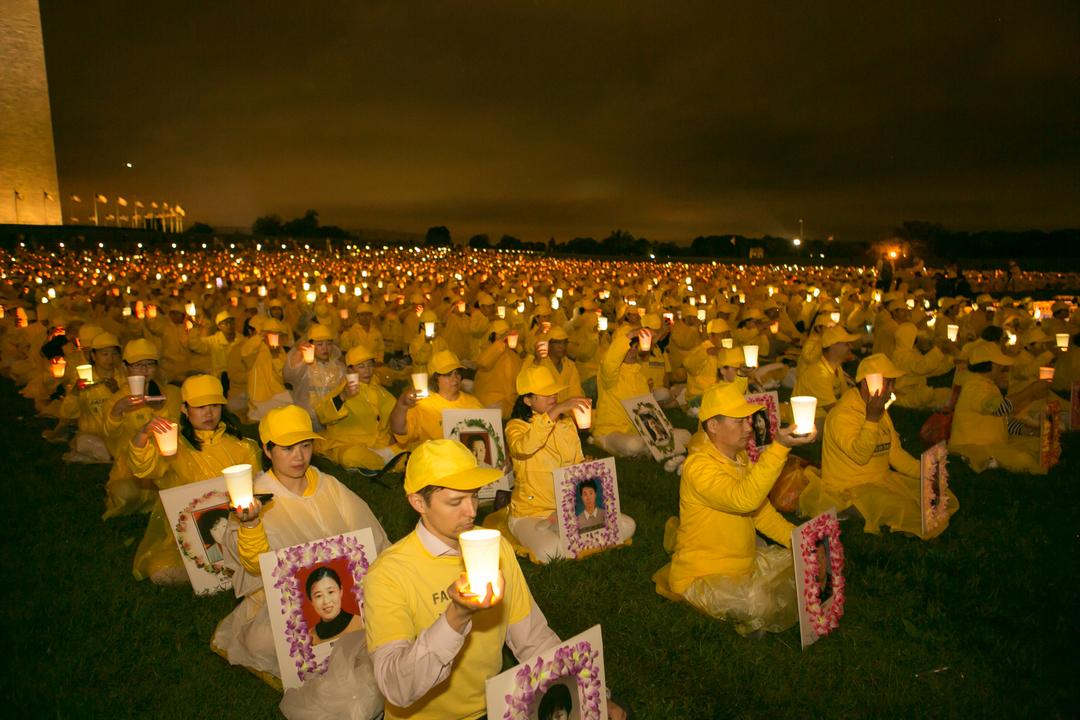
(580, 661)
(291, 560)
(608, 536)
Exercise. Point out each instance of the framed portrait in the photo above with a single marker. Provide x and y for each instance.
(566, 681)
(653, 426)
(763, 424)
(819, 576)
(934, 481)
(588, 507)
(1050, 435)
(199, 515)
(314, 594)
(481, 431)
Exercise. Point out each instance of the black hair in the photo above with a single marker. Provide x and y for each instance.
(983, 367)
(521, 411)
(433, 381)
(267, 463)
(54, 348)
(992, 333)
(232, 427)
(208, 520)
(589, 483)
(557, 697)
(320, 573)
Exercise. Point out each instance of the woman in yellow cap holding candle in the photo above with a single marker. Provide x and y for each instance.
(129, 411)
(717, 565)
(89, 403)
(701, 363)
(497, 366)
(542, 436)
(562, 368)
(314, 368)
(307, 505)
(264, 354)
(209, 442)
(911, 388)
(984, 430)
(416, 419)
(426, 343)
(862, 462)
(216, 345)
(825, 379)
(357, 417)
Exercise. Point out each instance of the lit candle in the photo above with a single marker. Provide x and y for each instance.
(835, 317)
(500, 310)
(669, 317)
(602, 323)
(1010, 338)
(238, 483)
(137, 385)
(512, 340)
(803, 408)
(727, 343)
(701, 315)
(645, 340)
(86, 373)
(352, 378)
(480, 550)
(750, 354)
(151, 311)
(583, 415)
(190, 308)
(166, 441)
(461, 306)
(1062, 340)
(890, 401)
(58, 366)
(910, 303)
(874, 383)
(420, 385)
(1046, 373)
(273, 339)
(343, 313)
(309, 353)
(429, 330)
(774, 328)
(953, 331)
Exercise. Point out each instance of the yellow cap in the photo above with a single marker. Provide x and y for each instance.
(365, 308)
(287, 426)
(319, 332)
(556, 333)
(273, 325)
(989, 352)
(104, 340)
(139, 350)
(717, 326)
(275, 303)
(202, 390)
(538, 380)
(878, 364)
(444, 362)
(87, 333)
(730, 357)
(725, 399)
(358, 354)
(499, 327)
(836, 334)
(651, 321)
(429, 316)
(446, 463)
(222, 317)
(482, 298)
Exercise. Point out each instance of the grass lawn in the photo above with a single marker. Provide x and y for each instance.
(979, 622)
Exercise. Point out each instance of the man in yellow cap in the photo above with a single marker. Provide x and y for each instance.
(313, 381)
(702, 362)
(216, 345)
(825, 379)
(169, 333)
(563, 369)
(357, 416)
(89, 403)
(863, 463)
(985, 430)
(497, 366)
(264, 355)
(723, 502)
(365, 332)
(417, 418)
(434, 640)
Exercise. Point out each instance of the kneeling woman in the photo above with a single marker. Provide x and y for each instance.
(207, 445)
(307, 505)
(542, 437)
(718, 565)
(357, 418)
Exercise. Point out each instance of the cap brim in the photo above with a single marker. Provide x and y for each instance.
(290, 439)
(204, 400)
(471, 479)
(739, 411)
(548, 390)
(447, 369)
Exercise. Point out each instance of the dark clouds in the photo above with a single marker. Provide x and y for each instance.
(541, 118)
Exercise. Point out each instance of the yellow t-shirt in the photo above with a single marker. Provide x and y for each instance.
(405, 593)
(538, 447)
(424, 420)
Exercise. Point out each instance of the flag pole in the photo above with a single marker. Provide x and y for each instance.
(16, 201)
(95, 210)
(44, 207)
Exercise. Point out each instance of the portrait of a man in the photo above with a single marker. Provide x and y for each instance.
(591, 514)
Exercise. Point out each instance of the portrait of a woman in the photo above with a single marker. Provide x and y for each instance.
(324, 593)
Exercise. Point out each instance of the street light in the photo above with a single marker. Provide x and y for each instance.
(796, 242)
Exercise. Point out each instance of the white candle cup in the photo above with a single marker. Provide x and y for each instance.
(429, 330)
(727, 343)
(874, 383)
(645, 340)
(461, 306)
(583, 415)
(86, 373)
(343, 313)
(352, 378)
(910, 303)
(308, 352)
(803, 408)
(238, 483)
(701, 315)
(669, 317)
(500, 310)
(1062, 340)
(774, 328)
(190, 308)
(602, 323)
(58, 367)
(273, 339)
(750, 355)
(166, 441)
(480, 550)
(835, 317)
(151, 311)
(420, 384)
(1046, 373)
(1010, 338)
(953, 332)
(542, 349)
(512, 340)
(137, 385)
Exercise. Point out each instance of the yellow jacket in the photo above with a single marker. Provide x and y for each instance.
(537, 448)
(363, 419)
(617, 381)
(171, 340)
(424, 420)
(497, 368)
(974, 422)
(722, 504)
(701, 369)
(568, 376)
(372, 339)
(822, 381)
(683, 341)
(857, 451)
(217, 347)
(266, 376)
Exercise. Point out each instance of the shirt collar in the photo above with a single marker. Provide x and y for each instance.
(433, 544)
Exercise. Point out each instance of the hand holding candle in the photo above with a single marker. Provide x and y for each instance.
(803, 408)
(239, 484)
(308, 351)
(420, 384)
(480, 550)
(167, 439)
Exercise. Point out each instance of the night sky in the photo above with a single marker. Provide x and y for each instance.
(538, 119)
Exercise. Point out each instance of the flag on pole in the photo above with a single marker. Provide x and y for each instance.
(121, 202)
(102, 199)
(48, 196)
(153, 205)
(165, 205)
(139, 204)
(76, 198)
(110, 216)
(123, 218)
(18, 195)
(180, 211)
(74, 220)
